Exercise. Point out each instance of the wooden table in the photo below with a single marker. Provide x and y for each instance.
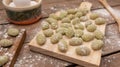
(27, 58)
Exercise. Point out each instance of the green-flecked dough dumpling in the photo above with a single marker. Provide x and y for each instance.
(48, 32)
(54, 16)
(51, 20)
(63, 46)
(71, 16)
(78, 14)
(84, 11)
(6, 43)
(93, 16)
(91, 28)
(45, 25)
(55, 38)
(75, 41)
(65, 25)
(98, 34)
(75, 21)
(63, 14)
(100, 21)
(88, 23)
(97, 44)
(13, 32)
(71, 11)
(83, 50)
(40, 39)
(3, 60)
(61, 30)
(54, 25)
(69, 32)
(83, 18)
(87, 37)
(66, 20)
(79, 26)
(78, 33)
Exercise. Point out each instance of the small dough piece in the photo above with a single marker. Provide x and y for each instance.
(93, 16)
(40, 39)
(71, 11)
(66, 20)
(13, 32)
(6, 43)
(61, 30)
(87, 37)
(51, 20)
(78, 33)
(100, 21)
(54, 16)
(83, 50)
(88, 23)
(98, 34)
(84, 11)
(69, 32)
(78, 14)
(55, 38)
(83, 18)
(75, 41)
(97, 44)
(91, 28)
(71, 16)
(45, 25)
(3, 60)
(48, 32)
(63, 14)
(63, 46)
(54, 25)
(75, 21)
(65, 25)
(79, 26)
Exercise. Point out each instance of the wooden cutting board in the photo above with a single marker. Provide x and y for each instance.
(93, 60)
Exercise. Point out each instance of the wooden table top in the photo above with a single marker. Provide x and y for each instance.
(27, 58)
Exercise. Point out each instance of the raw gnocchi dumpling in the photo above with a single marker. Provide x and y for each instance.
(91, 28)
(55, 38)
(79, 26)
(63, 14)
(83, 18)
(3, 59)
(13, 32)
(63, 46)
(69, 32)
(87, 37)
(45, 25)
(83, 50)
(54, 16)
(66, 20)
(71, 11)
(71, 16)
(78, 33)
(84, 11)
(75, 41)
(48, 32)
(51, 20)
(93, 16)
(98, 34)
(61, 30)
(97, 44)
(40, 39)
(65, 25)
(54, 25)
(78, 14)
(75, 21)
(88, 23)
(100, 21)
(6, 43)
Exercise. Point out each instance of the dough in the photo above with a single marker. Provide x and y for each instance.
(45, 25)
(78, 14)
(51, 20)
(63, 14)
(55, 38)
(13, 32)
(83, 50)
(69, 32)
(98, 34)
(66, 20)
(75, 21)
(65, 25)
(3, 59)
(54, 25)
(54, 16)
(97, 44)
(93, 16)
(88, 23)
(83, 18)
(87, 37)
(79, 26)
(71, 11)
(61, 30)
(41, 39)
(6, 43)
(48, 32)
(100, 21)
(91, 28)
(78, 33)
(84, 11)
(71, 16)
(75, 41)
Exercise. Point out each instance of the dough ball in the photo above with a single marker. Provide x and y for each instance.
(55, 38)
(97, 44)
(51, 20)
(40, 39)
(84, 11)
(88, 23)
(66, 20)
(48, 32)
(78, 14)
(83, 18)
(3, 60)
(75, 21)
(75, 41)
(61, 30)
(79, 26)
(45, 25)
(98, 34)
(69, 32)
(93, 16)
(91, 28)
(71, 16)
(63, 14)
(65, 25)
(54, 16)
(6, 43)
(78, 33)
(71, 11)
(83, 50)
(13, 32)
(100, 21)
(87, 37)
(54, 25)
(63, 46)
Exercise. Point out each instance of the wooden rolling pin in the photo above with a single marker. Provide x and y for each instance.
(111, 11)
